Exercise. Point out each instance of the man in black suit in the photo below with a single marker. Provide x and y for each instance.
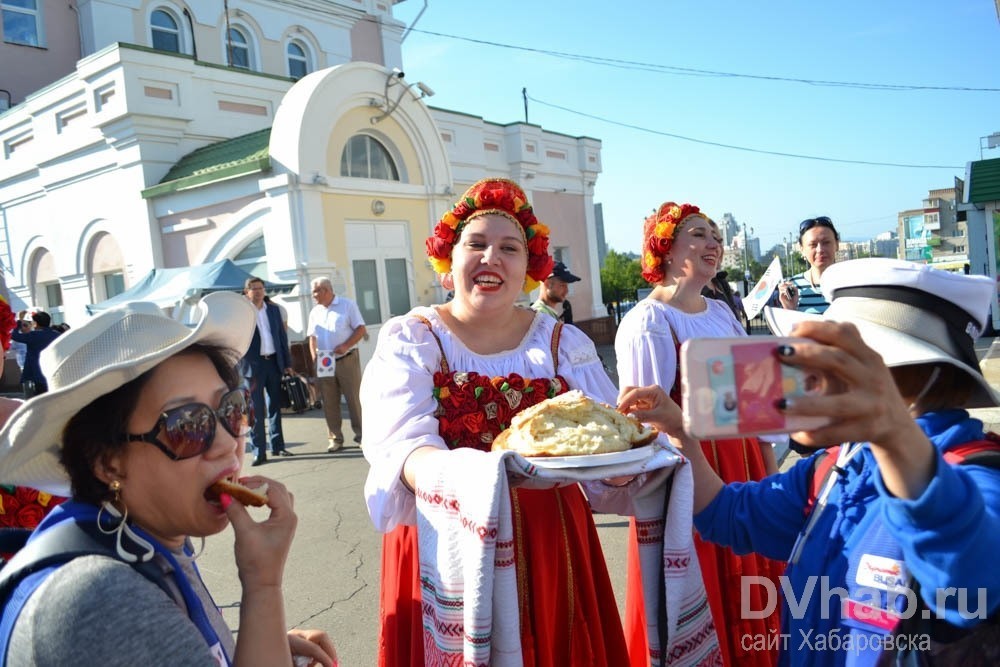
(264, 362)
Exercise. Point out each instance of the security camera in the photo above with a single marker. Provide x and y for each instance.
(425, 89)
(398, 73)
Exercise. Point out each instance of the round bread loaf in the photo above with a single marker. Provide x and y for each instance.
(572, 424)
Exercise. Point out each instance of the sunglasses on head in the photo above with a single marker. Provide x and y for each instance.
(189, 430)
(821, 221)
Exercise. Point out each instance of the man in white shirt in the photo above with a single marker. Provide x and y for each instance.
(336, 327)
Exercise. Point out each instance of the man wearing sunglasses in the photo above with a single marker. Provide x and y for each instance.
(264, 363)
(819, 243)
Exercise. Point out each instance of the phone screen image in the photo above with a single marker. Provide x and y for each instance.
(722, 380)
(731, 386)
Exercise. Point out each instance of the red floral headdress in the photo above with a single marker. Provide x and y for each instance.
(658, 234)
(503, 197)
(7, 322)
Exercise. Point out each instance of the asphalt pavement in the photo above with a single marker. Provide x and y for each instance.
(332, 575)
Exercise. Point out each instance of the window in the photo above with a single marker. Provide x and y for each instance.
(253, 258)
(21, 22)
(298, 61)
(54, 302)
(239, 49)
(365, 157)
(166, 34)
(114, 284)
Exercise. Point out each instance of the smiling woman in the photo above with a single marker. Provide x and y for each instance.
(468, 366)
(682, 251)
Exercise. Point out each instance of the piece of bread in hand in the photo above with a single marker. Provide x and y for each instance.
(247, 496)
(572, 424)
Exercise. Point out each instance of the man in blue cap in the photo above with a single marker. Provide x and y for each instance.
(554, 289)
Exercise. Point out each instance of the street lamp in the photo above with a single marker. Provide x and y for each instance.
(746, 261)
(788, 253)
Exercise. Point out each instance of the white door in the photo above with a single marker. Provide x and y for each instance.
(382, 274)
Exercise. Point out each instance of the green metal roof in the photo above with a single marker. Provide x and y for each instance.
(238, 156)
(984, 182)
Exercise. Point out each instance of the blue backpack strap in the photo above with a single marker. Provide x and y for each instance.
(43, 555)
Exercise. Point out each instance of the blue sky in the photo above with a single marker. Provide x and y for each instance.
(952, 43)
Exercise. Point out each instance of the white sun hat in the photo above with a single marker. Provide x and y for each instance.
(909, 313)
(94, 359)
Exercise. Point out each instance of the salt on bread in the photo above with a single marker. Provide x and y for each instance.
(572, 424)
(247, 496)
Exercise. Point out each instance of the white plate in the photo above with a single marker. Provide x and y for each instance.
(593, 460)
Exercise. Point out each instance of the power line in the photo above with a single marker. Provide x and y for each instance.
(741, 148)
(692, 71)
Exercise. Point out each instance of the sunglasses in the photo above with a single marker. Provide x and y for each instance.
(821, 221)
(190, 429)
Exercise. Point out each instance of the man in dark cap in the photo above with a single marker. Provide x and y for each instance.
(554, 289)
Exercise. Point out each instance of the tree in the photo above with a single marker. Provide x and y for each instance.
(621, 276)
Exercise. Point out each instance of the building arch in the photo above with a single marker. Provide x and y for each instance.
(249, 226)
(301, 134)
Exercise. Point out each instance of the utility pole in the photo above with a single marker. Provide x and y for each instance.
(524, 94)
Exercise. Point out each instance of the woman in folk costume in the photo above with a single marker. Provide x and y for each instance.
(443, 382)
(682, 252)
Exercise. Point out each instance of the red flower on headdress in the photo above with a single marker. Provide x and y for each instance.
(502, 196)
(658, 233)
(7, 323)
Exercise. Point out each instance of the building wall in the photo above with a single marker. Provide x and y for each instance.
(25, 68)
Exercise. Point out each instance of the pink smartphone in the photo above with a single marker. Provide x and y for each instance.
(730, 387)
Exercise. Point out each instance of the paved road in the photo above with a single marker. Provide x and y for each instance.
(332, 575)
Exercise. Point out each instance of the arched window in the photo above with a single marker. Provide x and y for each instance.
(365, 157)
(239, 49)
(165, 31)
(253, 258)
(298, 61)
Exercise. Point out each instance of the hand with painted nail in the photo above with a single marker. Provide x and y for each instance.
(860, 394)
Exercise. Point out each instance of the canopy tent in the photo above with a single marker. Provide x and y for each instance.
(171, 287)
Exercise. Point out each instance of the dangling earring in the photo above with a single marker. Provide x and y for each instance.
(119, 522)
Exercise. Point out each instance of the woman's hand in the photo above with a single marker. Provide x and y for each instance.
(788, 295)
(863, 404)
(262, 547)
(314, 645)
(652, 405)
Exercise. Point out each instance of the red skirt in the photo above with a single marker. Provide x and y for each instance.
(567, 604)
(734, 460)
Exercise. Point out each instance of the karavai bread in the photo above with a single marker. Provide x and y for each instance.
(572, 424)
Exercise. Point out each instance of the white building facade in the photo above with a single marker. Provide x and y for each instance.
(296, 160)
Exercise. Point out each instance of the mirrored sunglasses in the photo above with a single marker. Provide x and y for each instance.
(822, 221)
(189, 430)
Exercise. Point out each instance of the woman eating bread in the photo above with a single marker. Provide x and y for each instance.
(143, 427)
(425, 395)
(682, 251)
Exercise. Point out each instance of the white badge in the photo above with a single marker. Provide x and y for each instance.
(887, 574)
(326, 363)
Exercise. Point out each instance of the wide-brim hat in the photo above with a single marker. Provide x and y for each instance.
(911, 314)
(94, 359)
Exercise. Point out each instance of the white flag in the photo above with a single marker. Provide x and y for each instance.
(761, 292)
